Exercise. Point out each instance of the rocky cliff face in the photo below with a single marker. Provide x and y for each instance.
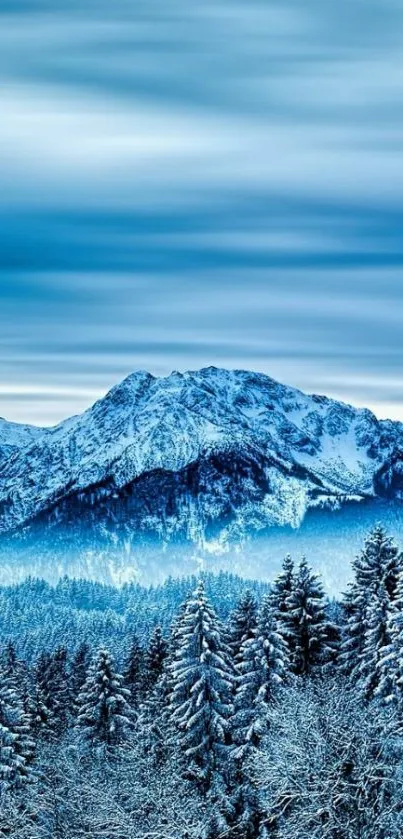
(204, 456)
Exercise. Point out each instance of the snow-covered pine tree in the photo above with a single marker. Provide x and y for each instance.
(390, 661)
(273, 655)
(18, 673)
(376, 643)
(43, 722)
(59, 696)
(155, 710)
(241, 623)
(134, 672)
(376, 572)
(202, 685)
(9, 763)
(154, 659)
(165, 682)
(379, 562)
(354, 628)
(172, 646)
(262, 670)
(9, 662)
(335, 616)
(104, 717)
(17, 747)
(175, 630)
(309, 626)
(79, 669)
(263, 667)
(278, 597)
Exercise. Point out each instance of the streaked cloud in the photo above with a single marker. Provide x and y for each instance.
(186, 184)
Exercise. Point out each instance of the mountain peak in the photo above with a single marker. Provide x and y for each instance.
(211, 450)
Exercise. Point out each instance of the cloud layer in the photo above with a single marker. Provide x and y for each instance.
(191, 184)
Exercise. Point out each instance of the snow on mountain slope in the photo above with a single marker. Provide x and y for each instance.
(204, 454)
(14, 437)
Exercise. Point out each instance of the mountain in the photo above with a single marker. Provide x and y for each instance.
(14, 437)
(202, 458)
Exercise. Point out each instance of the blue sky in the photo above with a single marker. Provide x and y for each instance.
(188, 184)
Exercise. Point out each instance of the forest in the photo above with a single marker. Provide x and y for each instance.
(205, 708)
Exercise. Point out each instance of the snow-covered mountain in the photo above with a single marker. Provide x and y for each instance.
(14, 437)
(205, 457)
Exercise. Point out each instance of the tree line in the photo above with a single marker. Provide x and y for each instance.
(283, 720)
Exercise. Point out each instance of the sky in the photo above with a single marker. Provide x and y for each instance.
(185, 184)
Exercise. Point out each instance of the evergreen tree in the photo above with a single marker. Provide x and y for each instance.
(18, 674)
(201, 696)
(156, 710)
(389, 663)
(43, 723)
(16, 744)
(58, 695)
(241, 623)
(309, 626)
(278, 599)
(262, 670)
(166, 680)
(175, 633)
(353, 634)
(79, 669)
(9, 761)
(10, 664)
(368, 600)
(273, 656)
(335, 616)
(376, 643)
(135, 669)
(154, 658)
(104, 716)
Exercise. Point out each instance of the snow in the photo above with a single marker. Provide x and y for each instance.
(146, 424)
(14, 435)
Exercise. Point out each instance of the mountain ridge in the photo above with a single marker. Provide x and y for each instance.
(204, 455)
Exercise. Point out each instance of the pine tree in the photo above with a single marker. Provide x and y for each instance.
(154, 658)
(134, 673)
(18, 673)
(104, 716)
(165, 681)
(17, 747)
(10, 664)
(278, 599)
(309, 627)
(79, 669)
(200, 702)
(241, 623)
(335, 615)
(43, 722)
(355, 606)
(272, 654)
(368, 601)
(57, 695)
(376, 644)
(155, 709)
(390, 660)
(262, 670)
(9, 762)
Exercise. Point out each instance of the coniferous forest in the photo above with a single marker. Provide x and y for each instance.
(205, 708)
